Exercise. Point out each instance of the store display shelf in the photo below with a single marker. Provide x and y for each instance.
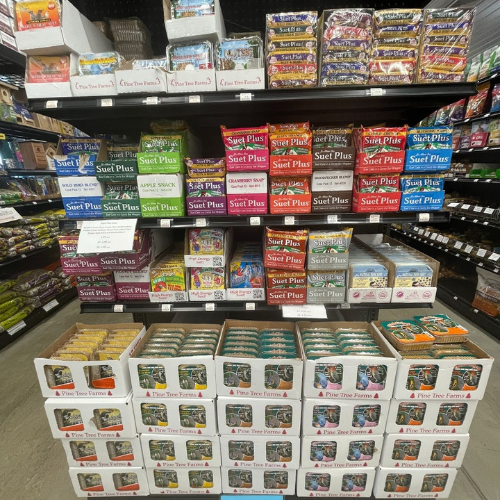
(23, 204)
(12, 61)
(482, 116)
(145, 306)
(23, 256)
(15, 131)
(485, 264)
(37, 316)
(20, 172)
(470, 180)
(487, 154)
(277, 220)
(459, 294)
(493, 76)
(478, 221)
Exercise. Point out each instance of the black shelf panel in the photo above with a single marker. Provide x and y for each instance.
(490, 266)
(482, 116)
(487, 154)
(459, 294)
(469, 180)
(24, 256)
(146, 307)
(37, 316)
(13, 130)
(478, 221)
(12, 61)
(276, 220)
(492, 77)
(26, 204)
(19, 172)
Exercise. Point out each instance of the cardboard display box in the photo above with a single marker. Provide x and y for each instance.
(179, 377)
(97, 293)
(209, 260)
(326, 295)
(189, 417)
(369, 295)
(251, 377)
(161, 195)
(380, 163)
(425, 416)
(109, 481)
(270, 452)
(104, 452)
(280, 296)
(199, 80)
(86, 379)
(116, 170)
(455, 379)
(331, 202)
(243, 79)
(258, 481)
(414, 483)
(333, 158)
(132, 285)
(349, 417)
(290, 204)
(375, 202)
(351, 377)
(180, 451)
(410, 451)
(93, 85)
(130, 81)
(246, 193)
(327, 261)
(247, 160)
(91, 417)
(246, 294)
(258, 416)
(78, 165)
(321, 452)
(184, 481)
(354, 483)
(87, 265)
(419, 202)
(428, 161)
(287, 165)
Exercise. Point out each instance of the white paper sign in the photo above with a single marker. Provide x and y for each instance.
(14, 329)
(8, 215)
(307, 311)
(101, 236)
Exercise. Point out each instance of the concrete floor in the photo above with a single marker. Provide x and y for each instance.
(33, 464)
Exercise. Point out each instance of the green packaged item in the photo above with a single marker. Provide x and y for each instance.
(16, 318)
(4, 286)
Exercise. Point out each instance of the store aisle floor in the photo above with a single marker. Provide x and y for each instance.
(33, 465)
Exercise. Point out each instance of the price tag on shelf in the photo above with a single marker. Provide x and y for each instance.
(434, 236)
(446, 250)
(466, 120)
(8, 215)
(478, 209)
(487, 180)
(456, 178)
(306, 312)
(421, 232)
(475, 221)
(496, 270)
(468, 258)
(50, 305)
(35, 203)
(165, 308)
(210, 306)
(427, 234)
(476, 180)
(332, 219)
(374, 218)
(165, 222)
(106, 103)
(439, 238)
(247, 96)
(486, 115)
(468, 249)
(376, 91)
(255, 221)
(118, 308)
(445, 239)
(481, 252)
(193, 99)
(458, 245)
(51, 104)
(200, 222)
(489, 210)
(289, 220)
(79, 224)
(14, 329)
(23, 256)
(463, 218)
(50, 201)
(152, 100)
(453, 205)
(250, 306)
(480, 264)
(494, 256)
(104, 236)
(424, 217)
(466, 207)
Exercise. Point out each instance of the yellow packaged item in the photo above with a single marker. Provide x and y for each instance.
(127, 333)
(62, 356)
(168, 274)
(207, 278)
(98, 331)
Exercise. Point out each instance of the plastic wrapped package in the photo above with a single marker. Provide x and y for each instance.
(446, 37)
(9, 197)
(189, 57)
(472, 73)
(48, 69)
(241, 53)
(130, 30)
(140, 64)
(180, 9)
(476, 104)
(17, 317)
(131, 51)
(31, 279)
(487, 298)
(102, 63)
(495, 99)
(38, 14)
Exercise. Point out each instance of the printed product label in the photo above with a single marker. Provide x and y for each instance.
(434, 483)
(278, 451)
(126, 481)
(160, 163)
(445, 451)
(59, 377)
(278, 377)
(239, 478)
(326, 416)
(201, 479)
(120, 451)
(241, 450)
(116, 170)
(69, 419)
(323, 451)
(278, 416)
(465, 377)
(422, 377)
(199, 450)
(83, 451)
(165, 478)
(366, 416)
(237, 375)
(275, 480)
(120, 208)
(152, 376)
(164, 207)
(411, 413)
(371, 377)
(317, 481)
(162, 450)
(397, 483)
(328, 376)
(90, 482)
(154, 414)
(452, 414)
(193, 377)
(354, 482)
(361, 450)
(239, 415)
(82, 208)
(406, 449)
(109, 419)
(193, 416)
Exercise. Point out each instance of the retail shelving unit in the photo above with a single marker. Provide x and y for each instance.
(25, 133)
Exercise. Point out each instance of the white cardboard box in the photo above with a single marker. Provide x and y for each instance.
(180, 451)
(320, 452)
(258, 481)
(130, 81)
(246, 294)
(270, 452)
(69, 379)
(91, 417)
(198, 80)
(424, 451)
(332, 180)
(210, 27)
(349, 376)
(184, 481)
(93, 85)
(258, 378)
(103, 452)
(349, 417)
(207, 295)
(369, 295)
(180, 377)
(243, 79)
(258, 416)
(442, 378)
(414, 483)
(75, 34)
(335, 483)
(414, 416)
(163, 416)
(109, 481)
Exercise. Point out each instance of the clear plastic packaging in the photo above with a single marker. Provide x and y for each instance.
(189, 57)
(238, 54)
(180, 9)
(130, 30)
(103, 63)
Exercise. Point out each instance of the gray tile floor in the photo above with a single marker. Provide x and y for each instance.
(33, 464)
